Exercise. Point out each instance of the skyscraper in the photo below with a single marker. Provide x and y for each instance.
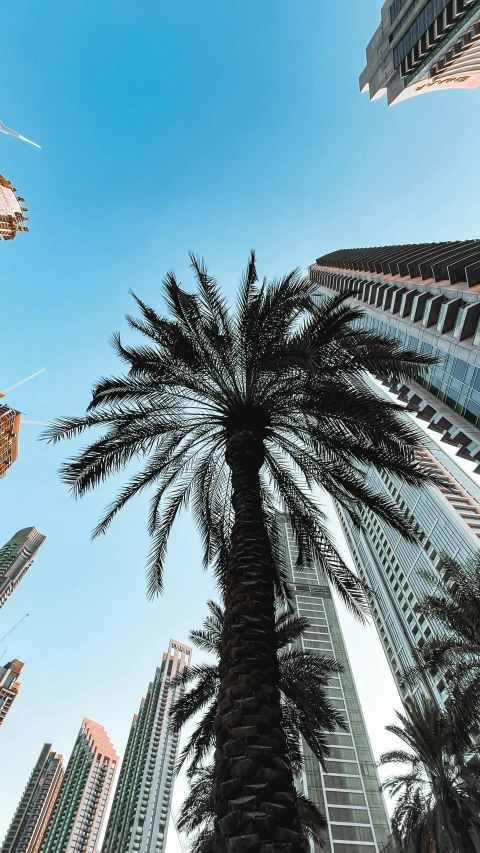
(139, 817)
(77, 816)
(427, 296)
(9, 686)
(16, 557)
(28, 826)
(9, 427)
(348, 790)
(11, 211)
(423, 46)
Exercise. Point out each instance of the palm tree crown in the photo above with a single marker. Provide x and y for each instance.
(304, 678)
(438, 796)
(454, 606)
(285, 372)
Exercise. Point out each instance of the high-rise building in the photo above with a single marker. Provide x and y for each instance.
(348, 790)
(140, 812)
(16, 557)
(423, 46)
(79, 811)
(427, 296)
(9, 428)
(11, 211)
(30, 821)
(9, 686)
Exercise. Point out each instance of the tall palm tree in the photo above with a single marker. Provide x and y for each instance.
(303, 683)
(454, 606)
(197, 814)
(438, 796)
(233, 413)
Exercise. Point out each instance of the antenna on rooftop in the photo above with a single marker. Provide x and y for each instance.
(22, 381)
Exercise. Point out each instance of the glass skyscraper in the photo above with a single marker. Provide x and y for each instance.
(79, 811)
(348, 792)
(427, 296)
(30, 820)
(16, 557)
(140, 812)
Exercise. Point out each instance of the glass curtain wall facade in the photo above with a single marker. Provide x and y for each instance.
(426, 295)
(79, 811)
(16, 557)
(140, 812)
(28, 826)
(423, 46)
(348, 792)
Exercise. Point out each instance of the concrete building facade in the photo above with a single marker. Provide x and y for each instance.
(423, 46)
(16, 557)
(9, 429)
(348, 791)
(9, 686)
(140, 812)
(77, 817)
(12, 217)
(30, 821)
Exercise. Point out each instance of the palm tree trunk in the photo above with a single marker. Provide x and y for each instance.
(255, 798)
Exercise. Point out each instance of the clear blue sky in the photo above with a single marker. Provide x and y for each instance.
(167, 126)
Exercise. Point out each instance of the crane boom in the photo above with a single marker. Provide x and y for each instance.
(22, 381)
(12, 629)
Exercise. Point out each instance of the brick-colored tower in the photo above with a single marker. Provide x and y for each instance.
(9, 686)
(79, 811)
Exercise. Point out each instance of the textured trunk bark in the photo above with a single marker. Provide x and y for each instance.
(255, 798)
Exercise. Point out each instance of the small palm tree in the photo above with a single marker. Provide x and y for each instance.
(454, 648)
(438, 796)
(197, 815)
(303, 683)
(234, 413)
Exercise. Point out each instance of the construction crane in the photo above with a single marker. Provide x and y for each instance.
(22, 381)
(10, 631)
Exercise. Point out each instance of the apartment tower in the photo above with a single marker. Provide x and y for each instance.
(139, 817)
(78, 814)
(11, 211)
(16, 557)
(348, 790)
(423, 46)
(9, 686)
(428, 297)
(9, 428)
(35, 807)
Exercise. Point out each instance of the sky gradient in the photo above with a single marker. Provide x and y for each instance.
(209, 126)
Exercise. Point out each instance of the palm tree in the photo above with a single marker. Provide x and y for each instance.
(303, 683)
(197, 815)
(438, 796)
(454, 605)
(232, 414)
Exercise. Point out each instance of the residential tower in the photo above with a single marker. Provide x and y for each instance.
(9, 686)
(16, 557)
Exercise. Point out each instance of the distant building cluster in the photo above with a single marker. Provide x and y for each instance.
(423, 46)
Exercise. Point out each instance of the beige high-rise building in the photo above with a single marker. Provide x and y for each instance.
(30, 820)
(141, 806)
(423, 46)
(12, 217)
